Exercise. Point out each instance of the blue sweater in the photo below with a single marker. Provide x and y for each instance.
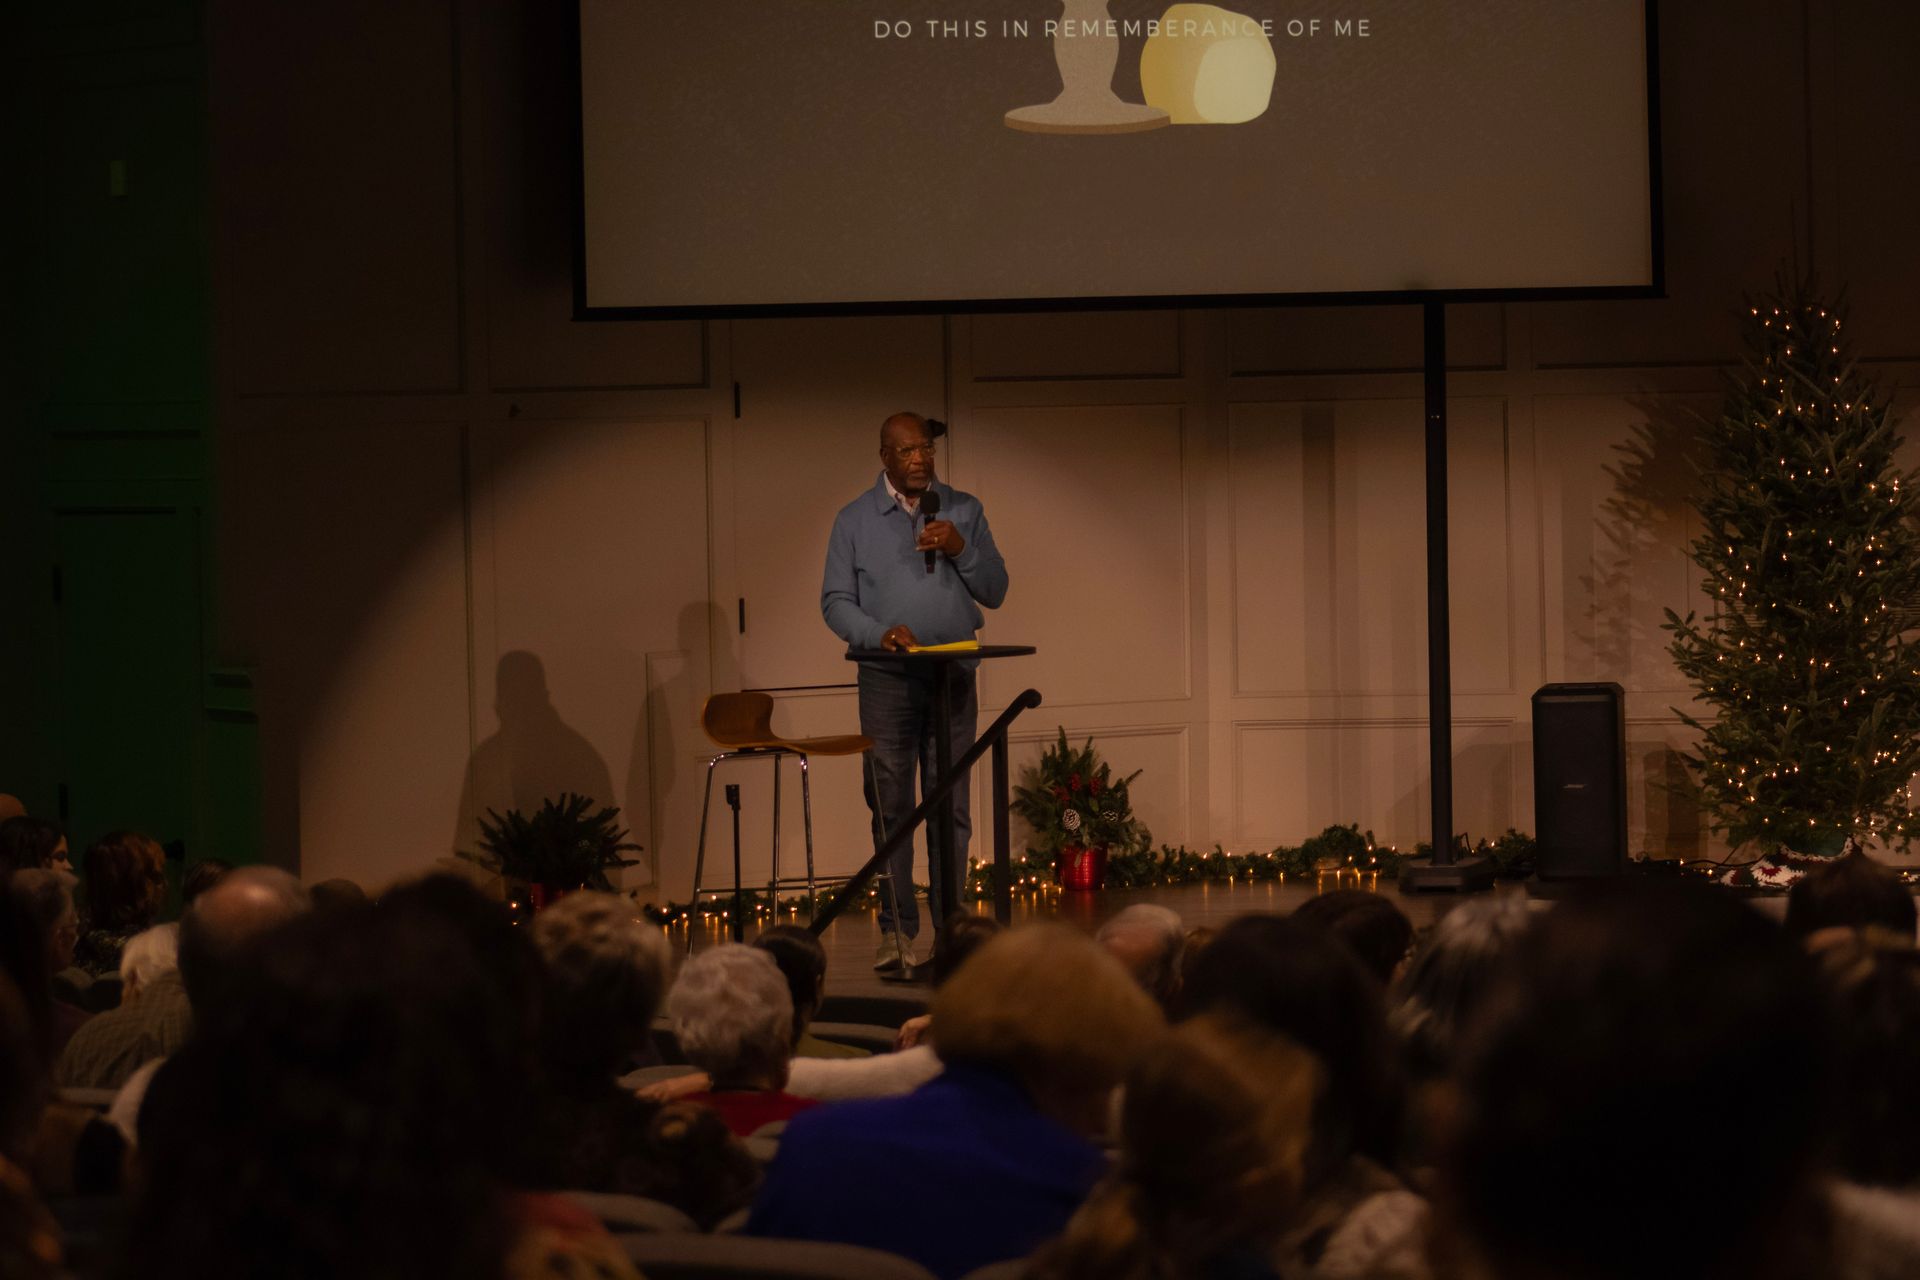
(875, 579)
(959, 1173)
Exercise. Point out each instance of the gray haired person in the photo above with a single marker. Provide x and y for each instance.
(733, 1016)
(606, 970)
(1150, 941)
(147, 955)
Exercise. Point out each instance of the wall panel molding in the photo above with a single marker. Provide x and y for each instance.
(1328, 503)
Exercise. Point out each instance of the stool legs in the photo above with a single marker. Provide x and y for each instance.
(773, 885)
(806, 810)
(700, 854)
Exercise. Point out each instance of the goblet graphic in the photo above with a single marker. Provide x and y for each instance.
(1087, 103)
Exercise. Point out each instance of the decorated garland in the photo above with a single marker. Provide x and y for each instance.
(1337, 850)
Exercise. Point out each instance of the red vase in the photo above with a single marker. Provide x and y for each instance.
(542, 896)
(1076, 867)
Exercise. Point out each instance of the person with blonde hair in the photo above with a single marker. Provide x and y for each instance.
(989, 1159)
(1213, 1140)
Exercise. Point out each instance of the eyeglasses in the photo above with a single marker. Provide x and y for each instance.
(913, 450)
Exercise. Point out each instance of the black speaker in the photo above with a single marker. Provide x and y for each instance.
(1580, 780)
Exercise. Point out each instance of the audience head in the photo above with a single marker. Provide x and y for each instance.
(605, 971)
(200, 877)
(1851, 892)
(147, 955)
(505, 949)
(220, 925)
(49, 896)
(337, 892)
(340, 1110)
(126, 879)
(1654, 1054)
(1048, 1006)
(1214, 1127)
(32, 842)
(1150, 941)
(733, 1017)
(10, 807)
(803, 963)
(1377, 930)
(1301, 982)
(1197, 939)
(23, 956)
(1876, 989)
(1450, 976)
(30, 1244)
(22, 1068)
(961, 936)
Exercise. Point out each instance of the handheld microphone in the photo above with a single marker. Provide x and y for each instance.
(930, 507)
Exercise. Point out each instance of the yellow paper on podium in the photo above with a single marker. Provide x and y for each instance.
(957, 646)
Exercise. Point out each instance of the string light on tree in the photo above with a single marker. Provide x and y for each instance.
(1810, 547)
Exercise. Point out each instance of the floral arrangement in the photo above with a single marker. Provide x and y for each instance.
(1072, 799)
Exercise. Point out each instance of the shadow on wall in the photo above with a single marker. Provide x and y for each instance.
(667, 741)
(534, 756)
(1484, 803)
(1675, 827)
(1647, 516)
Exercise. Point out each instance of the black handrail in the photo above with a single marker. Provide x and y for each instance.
(995, 737)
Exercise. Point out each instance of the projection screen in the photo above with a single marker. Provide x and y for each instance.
(767, 155)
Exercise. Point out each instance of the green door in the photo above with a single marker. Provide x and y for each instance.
(128, 604)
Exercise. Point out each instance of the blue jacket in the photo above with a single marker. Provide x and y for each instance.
(961, 1172)
(875, 579)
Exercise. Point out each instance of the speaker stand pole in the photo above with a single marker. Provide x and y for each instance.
(1446, 872)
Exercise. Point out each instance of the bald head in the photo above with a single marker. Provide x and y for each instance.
(220, 924)
(10, 807)
(906, 450)
(903, 428)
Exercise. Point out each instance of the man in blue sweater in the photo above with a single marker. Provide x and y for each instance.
(878, 594)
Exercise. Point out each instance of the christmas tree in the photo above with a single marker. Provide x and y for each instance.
(1811, 552)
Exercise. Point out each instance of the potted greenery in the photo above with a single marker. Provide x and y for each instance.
(1078, 812)
(564, 846)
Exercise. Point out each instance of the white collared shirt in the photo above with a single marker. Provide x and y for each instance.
(909, 505)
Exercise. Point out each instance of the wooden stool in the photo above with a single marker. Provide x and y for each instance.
(741, 724)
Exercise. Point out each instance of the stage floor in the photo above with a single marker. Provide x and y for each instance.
(852, 939)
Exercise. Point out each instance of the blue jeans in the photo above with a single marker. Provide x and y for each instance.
(896, 711)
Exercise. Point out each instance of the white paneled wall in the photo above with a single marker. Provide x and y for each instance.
(1090, 509)
(476, 551)
(592, 545)
(588, 558)
(353, 596)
